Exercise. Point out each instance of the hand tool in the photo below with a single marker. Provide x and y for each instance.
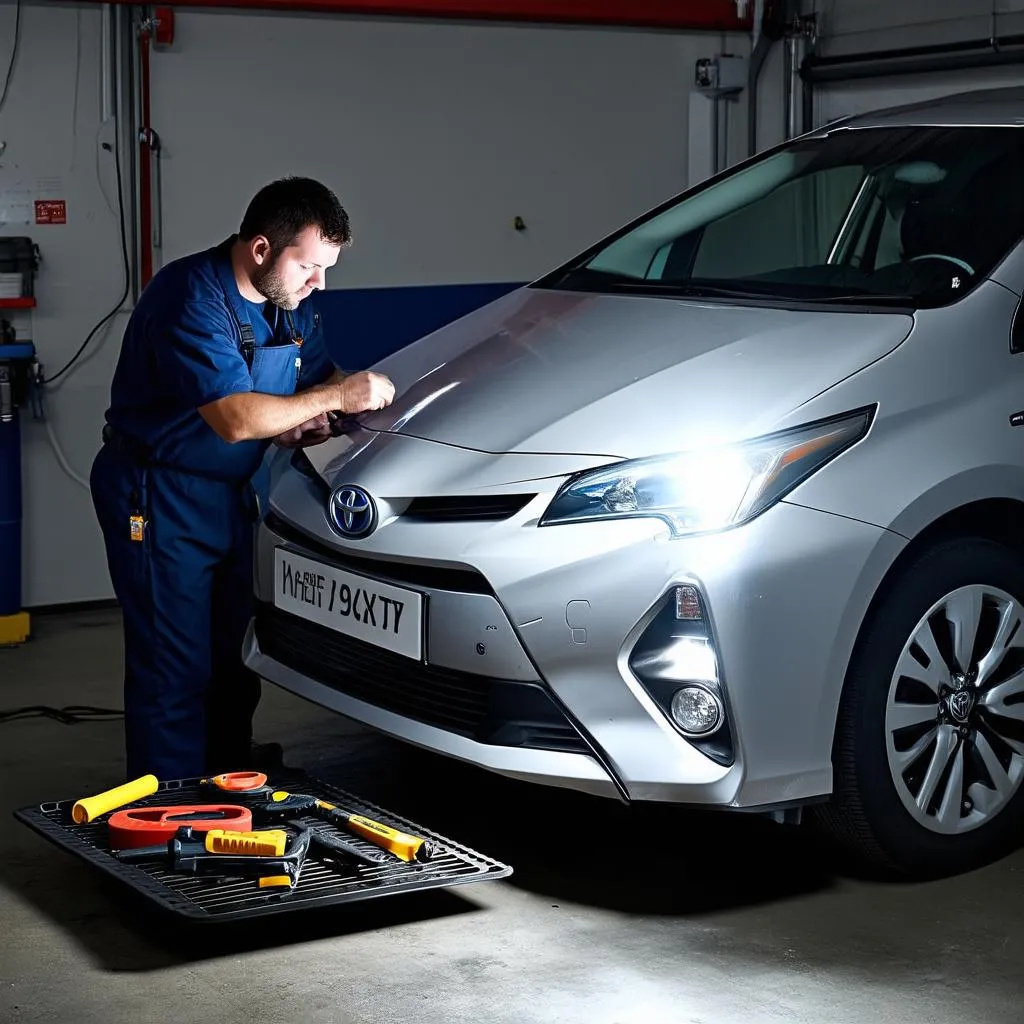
(219, 843)
(91, 807)
(259, 855)
(237, 781)
(268, 802)
(143, 826)
(331, 842)
(253, 785)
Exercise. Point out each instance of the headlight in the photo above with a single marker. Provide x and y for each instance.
(696, 492)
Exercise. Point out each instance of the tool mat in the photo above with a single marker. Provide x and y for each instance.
(326, 877)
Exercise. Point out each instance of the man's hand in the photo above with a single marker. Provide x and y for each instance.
(366, 391)
(313, 431)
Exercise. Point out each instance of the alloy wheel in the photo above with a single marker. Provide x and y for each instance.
(954, 716)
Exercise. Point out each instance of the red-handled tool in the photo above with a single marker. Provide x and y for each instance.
(136, 827)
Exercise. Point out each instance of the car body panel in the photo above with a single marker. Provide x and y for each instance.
(698, 373)
(935, 395)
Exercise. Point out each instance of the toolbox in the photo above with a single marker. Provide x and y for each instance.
(326, 877)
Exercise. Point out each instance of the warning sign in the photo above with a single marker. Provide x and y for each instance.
(51, 211)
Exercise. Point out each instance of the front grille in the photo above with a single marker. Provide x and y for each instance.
(437, 509)
(462, 581)
(495, 711)
(470, 508)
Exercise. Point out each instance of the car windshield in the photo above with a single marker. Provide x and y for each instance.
(896, 216)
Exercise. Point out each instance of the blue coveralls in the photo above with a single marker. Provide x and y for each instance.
(186, 588)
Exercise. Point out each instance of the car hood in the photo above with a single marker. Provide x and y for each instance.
(548, 372)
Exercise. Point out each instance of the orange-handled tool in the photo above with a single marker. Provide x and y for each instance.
(237, 782)
(143, 826)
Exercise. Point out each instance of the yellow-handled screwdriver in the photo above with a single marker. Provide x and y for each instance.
(403, 845)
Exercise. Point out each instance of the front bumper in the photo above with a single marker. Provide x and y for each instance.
(785, 596)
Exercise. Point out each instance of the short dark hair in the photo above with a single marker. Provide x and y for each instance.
(284, 208)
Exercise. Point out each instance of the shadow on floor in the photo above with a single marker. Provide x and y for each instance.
(562, 846)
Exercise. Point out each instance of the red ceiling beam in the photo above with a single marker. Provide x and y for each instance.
(679, 15)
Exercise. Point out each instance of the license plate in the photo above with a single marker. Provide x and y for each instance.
(379, 613)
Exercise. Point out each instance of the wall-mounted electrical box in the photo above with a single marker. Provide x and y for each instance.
(721, 75)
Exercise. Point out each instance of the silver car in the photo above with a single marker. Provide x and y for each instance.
(727, 511)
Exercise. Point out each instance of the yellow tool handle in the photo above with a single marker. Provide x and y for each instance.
(270, 843)
(401, 844)
(277, 882)
(91, 807)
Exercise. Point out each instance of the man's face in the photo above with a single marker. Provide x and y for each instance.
(286, 277)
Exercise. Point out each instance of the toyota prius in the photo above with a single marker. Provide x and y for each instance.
(724, 512)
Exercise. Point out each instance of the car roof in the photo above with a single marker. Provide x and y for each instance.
(999, 107)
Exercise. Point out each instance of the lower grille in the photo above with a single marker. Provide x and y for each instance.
(495, 711)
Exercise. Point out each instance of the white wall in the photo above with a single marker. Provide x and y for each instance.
(51, 126)
(435, 135)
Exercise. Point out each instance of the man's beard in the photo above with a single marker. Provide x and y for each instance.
(268, 283)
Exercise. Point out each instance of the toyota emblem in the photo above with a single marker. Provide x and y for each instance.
(352, 512)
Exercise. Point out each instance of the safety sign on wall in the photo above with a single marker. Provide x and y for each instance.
(51, 211)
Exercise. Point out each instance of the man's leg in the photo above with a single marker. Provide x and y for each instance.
(234, 689)
(164, 585)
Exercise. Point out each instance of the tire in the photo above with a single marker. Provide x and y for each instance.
(906, 713)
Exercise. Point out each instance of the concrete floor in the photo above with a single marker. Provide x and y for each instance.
(742, 921)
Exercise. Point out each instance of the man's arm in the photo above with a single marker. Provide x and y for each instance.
(252, 415)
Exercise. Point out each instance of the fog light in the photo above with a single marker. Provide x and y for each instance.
(696, 710)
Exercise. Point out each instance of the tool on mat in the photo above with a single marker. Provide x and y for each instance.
(260, 855)
(334, 844)
(253, 784)
(91, 807)
(237, 782)
(268, 802)
(144, 826)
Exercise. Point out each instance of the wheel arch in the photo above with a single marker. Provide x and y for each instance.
(996, 519)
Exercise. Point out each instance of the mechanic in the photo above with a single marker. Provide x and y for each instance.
(222, 356)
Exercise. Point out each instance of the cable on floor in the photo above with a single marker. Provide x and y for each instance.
(72, 714)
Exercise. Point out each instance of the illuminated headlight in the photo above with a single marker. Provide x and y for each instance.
(701, 491)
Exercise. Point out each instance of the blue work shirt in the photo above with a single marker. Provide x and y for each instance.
(193, 339)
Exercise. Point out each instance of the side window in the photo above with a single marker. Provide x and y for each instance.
(759, 238)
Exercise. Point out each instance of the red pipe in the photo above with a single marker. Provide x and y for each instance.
(705, 15)
(145, 167)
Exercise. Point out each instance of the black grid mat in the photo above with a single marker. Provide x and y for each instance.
(324, 879)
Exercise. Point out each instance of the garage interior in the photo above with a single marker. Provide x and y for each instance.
(476, 147)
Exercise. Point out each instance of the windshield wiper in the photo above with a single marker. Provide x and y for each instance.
(612, 281)
(867, 298)
(615, 282)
